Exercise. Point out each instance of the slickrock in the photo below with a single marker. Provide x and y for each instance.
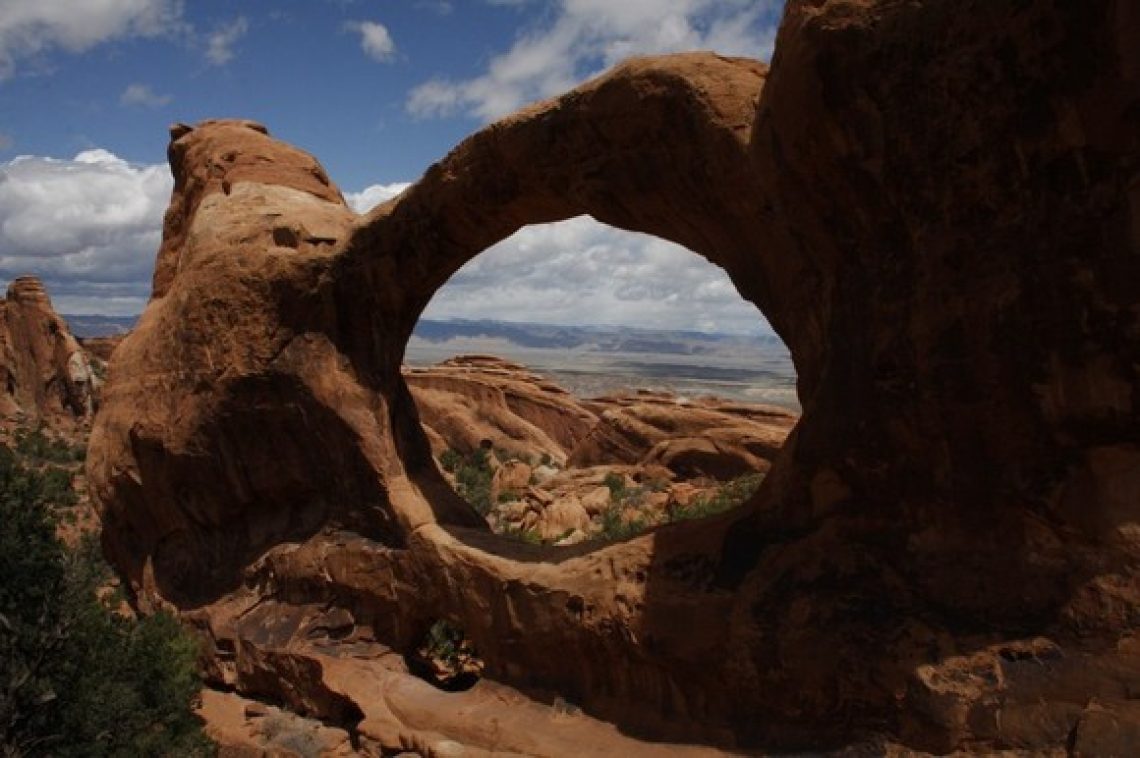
(47, 378)
(938, 210)
(706, 436)
(469, 400)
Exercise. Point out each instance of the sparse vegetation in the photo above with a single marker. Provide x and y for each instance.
(615, 527)
(451, 460)
(34, 447)
(729, 495)
(616, 484)
(472, 477)
(447, 658)
(78, 679)
(530, 536)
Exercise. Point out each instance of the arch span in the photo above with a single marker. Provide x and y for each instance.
(948, 250)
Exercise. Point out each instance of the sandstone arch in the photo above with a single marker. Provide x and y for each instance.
(949, 251)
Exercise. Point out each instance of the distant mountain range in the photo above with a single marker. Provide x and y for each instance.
(99, 326)
(602, 339)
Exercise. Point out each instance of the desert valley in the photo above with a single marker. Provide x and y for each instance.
(308, 520)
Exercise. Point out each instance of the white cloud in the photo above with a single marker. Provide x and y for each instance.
(372, 195)
(583, 272)
(220, 42)
(89, 226)
(142, 94)
(586, 37)
(375, 40)
(31, 27)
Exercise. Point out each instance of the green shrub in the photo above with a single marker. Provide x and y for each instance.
(614, 528)
(34, 446)
(616, 484)
(450, 460)
(530, 536)
(79, 680)
(56, 487)
(473, 481)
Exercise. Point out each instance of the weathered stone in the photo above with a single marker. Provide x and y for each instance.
(938, 212)
(45, 376)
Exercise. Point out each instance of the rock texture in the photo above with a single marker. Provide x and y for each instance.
(471, 400)
(938, 209)
(46, 376)
(703, 437)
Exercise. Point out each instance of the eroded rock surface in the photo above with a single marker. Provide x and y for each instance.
(937, 208)
(45, 376)
(469, 401)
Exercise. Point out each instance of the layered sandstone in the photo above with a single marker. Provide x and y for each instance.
(470, 401)
(937, 209)
(45, 376)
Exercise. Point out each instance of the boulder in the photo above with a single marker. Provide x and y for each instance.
(596, 500)
(563, 516)
(512, 477)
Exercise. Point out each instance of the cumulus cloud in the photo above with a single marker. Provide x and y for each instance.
(142, 94)
(220, 42)
(375, 40)
(583, 272)
(89, 226)
(586, 37)
(372, 195)
(31, 27)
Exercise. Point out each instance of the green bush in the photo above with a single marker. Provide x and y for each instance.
(616, 484)
(473, 480)
(75, 678)
(56, 487)
(33, 445)
(450, 460)
(614, 528)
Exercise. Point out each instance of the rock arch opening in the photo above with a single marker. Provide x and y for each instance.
(578, 383)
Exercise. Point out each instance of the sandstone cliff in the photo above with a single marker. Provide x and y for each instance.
(46, 376)
(935, 206)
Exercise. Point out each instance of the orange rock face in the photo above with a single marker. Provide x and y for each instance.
(938, 212)
(47, 377)
(469, 400)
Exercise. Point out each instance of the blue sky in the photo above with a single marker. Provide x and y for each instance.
(376, 89)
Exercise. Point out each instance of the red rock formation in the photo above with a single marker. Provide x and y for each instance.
(101, 347)
(467, 400)
(935, 207)
(45, 377)
(707, 436)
